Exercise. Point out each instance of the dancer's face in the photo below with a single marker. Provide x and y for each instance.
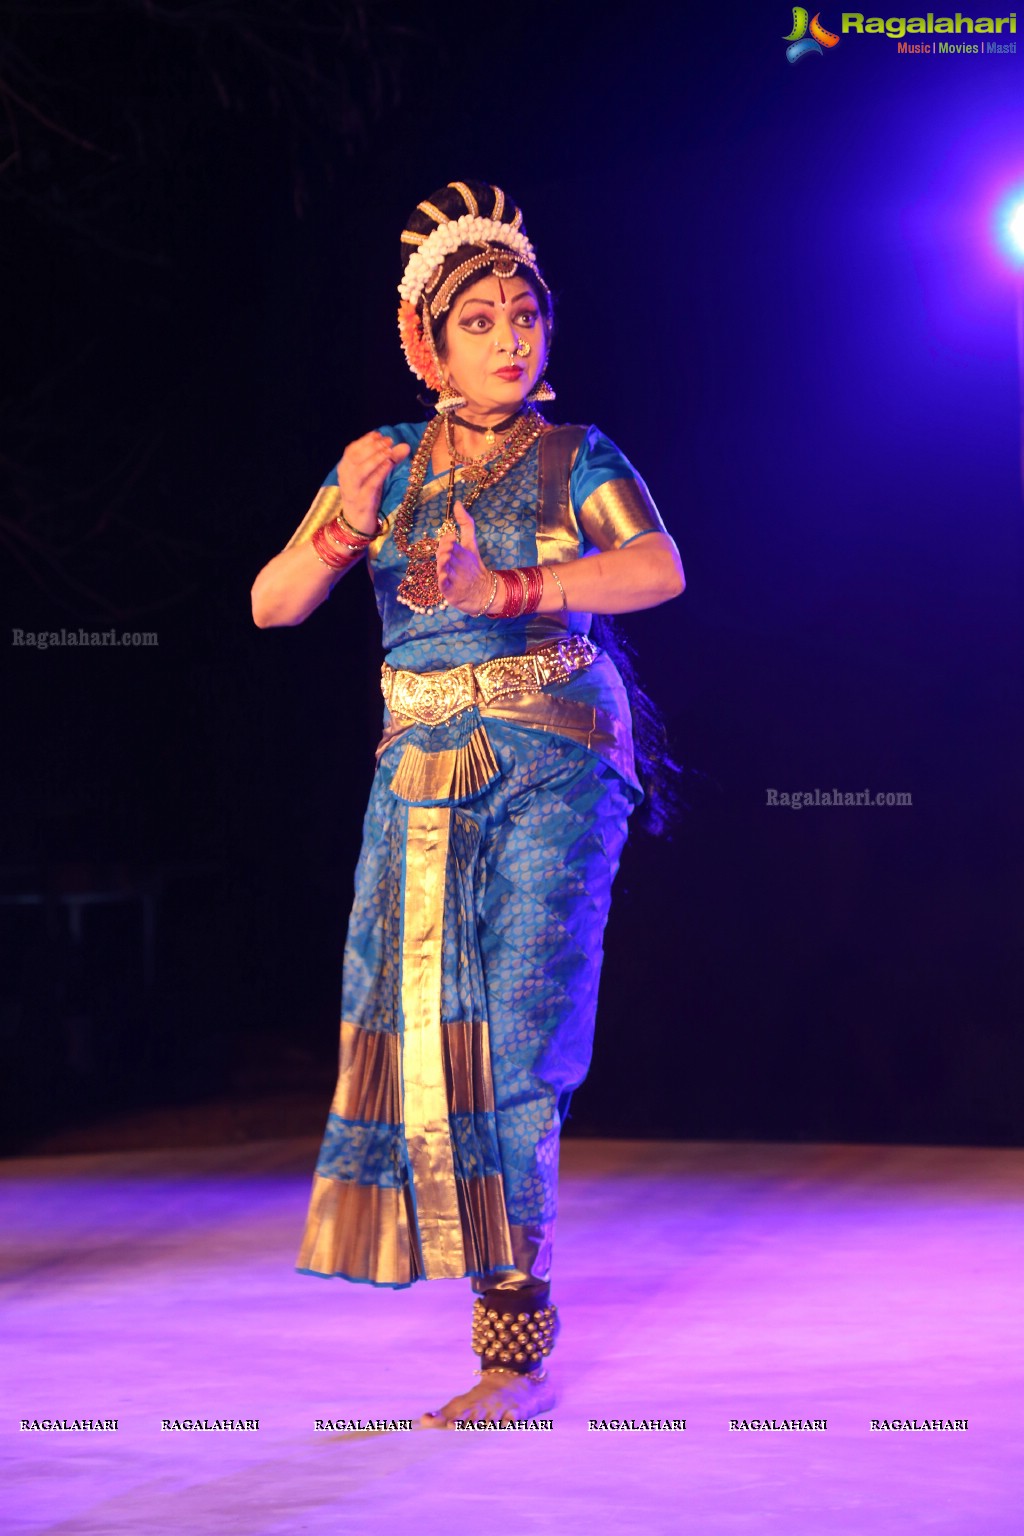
(496, 344)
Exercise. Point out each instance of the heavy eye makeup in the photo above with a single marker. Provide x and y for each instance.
(482, 321)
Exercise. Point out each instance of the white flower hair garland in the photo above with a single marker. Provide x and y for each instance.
(470, 229)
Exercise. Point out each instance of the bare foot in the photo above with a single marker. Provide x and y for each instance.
(497, 1399)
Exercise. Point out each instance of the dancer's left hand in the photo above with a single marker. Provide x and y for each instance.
(462, 577)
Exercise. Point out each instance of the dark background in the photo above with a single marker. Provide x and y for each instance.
(778, 290)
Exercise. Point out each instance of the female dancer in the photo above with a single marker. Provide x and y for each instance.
(498, 812)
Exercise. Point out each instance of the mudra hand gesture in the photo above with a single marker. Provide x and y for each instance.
(362, 470)
(462, 577)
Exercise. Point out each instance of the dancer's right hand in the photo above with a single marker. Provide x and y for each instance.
(362, 470)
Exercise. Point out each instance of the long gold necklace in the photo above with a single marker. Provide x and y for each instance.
(418, 589)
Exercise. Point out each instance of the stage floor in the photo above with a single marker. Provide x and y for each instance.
(698, 1282)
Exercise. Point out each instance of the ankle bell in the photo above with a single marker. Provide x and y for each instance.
(515, 1341)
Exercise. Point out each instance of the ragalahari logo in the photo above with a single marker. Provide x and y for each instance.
(798, 40)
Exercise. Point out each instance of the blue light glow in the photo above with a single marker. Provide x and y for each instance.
(1011, 223)
(1015, 228)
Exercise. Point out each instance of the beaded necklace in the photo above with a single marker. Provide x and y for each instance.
(418, 589)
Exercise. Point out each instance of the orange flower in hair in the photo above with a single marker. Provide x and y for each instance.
(416, 347)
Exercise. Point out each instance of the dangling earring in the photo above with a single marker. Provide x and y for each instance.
(541, 391)
(448, 400)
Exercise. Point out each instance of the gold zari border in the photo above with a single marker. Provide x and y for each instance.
(359, 1230)
(368, 1086)
(617, 511)
(531, 1257)
(485, 1215)
(324, 509)
(467, 1059)
(458, 773)
(425, 1094)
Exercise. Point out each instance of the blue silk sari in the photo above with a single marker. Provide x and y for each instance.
(474, 946)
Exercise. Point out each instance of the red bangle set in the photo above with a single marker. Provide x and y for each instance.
(522, 590)
(336, 548)
(339, 545)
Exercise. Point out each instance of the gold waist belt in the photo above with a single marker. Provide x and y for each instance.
(431, 697)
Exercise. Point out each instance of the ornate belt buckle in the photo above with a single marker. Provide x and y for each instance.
(444, 694)
(429, 698)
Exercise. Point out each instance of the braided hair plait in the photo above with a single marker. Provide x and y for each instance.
(659, 774)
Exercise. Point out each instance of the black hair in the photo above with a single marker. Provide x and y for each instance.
(660, 776)
(451, 200)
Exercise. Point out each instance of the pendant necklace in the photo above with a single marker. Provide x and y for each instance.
(488, 431)
(418, 588)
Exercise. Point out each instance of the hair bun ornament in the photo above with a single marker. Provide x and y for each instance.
(448, 238)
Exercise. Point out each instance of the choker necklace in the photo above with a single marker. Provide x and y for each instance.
(489, 431)
(472, 464)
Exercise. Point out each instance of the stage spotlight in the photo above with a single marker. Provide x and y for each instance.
(1015, 228)
(1009, 224)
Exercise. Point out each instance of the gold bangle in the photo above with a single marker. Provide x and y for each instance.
(558, 584)
(490, 601)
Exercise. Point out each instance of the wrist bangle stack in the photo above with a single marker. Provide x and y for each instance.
(327, 554)
(337, 548)
(523, 588)
(338, 544)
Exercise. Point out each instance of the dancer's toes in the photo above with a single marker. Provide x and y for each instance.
(501, 1397)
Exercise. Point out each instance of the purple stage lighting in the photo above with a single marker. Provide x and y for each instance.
(1013, 227)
